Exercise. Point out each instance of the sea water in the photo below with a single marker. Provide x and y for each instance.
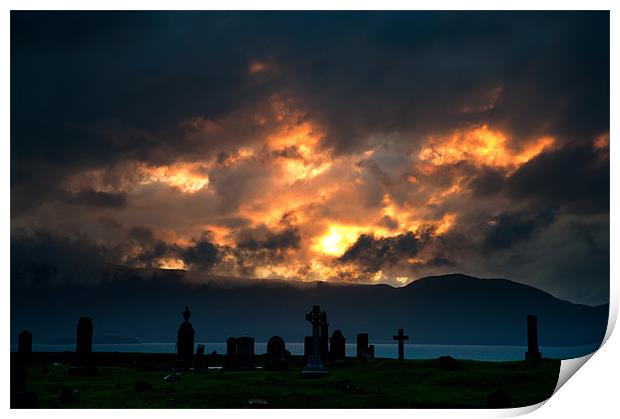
(382, 350)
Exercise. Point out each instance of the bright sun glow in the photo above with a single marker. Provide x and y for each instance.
(337, 240)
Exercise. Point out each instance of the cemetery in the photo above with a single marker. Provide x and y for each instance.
(322, 378)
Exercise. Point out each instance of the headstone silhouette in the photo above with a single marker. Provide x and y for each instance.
(84, 338)
(24, 344)
(185, 338)
(401, 338)
(84, 363)
(277, 356)
(370, 354)
(533, 353)
(362, 345)
(200, 362)
(307, 347)
(245, 352)
(231, 352)
(314, 365)
(337, 345)
(324, 338)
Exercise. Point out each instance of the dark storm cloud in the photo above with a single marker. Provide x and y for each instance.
(575, 177)
(511, 227)
(92, 198)
(261, 237)
(142, 234)
(141, 74)
(41, 257)
(202, 254)
(372, 253)
(488, 183)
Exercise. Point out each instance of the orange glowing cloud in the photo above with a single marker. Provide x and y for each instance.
(256, 67)
(186, 177)
(481, 146)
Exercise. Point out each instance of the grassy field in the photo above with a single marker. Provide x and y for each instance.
(382, 383)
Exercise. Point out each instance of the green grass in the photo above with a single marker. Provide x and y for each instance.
(350, 384)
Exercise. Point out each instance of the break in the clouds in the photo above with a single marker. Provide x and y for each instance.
(341, 146)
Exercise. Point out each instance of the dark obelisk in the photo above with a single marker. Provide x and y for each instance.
(533, 352)
(24, 344)
(84, 341)
(314, 365)
(185, 338)
(401, 338)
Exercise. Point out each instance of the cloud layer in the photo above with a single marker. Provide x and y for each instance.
(342, 146)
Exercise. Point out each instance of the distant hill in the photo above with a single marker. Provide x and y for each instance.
(448, 309)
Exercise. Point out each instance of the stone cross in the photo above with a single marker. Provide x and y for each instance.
(401, 338)
(316, 318)
(533, 352)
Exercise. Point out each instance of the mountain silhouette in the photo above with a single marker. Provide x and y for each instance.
(448, 309)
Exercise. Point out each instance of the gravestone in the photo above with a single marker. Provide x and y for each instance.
(245, 352)
(401, 338)
(371, 353)
(231, 352)
(84, 349)
(307, 347)
(84, 341)
(24, 345)
(337, 345)
(314, 365)
(200, 359)
(277, 356)
(533, 352)
(362, 345)
(185, 338)
(324, 337)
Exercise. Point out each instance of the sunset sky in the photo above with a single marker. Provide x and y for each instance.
(356, 147)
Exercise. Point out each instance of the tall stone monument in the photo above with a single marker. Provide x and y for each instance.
(185, 338)
(314, 365)
(84, 364)
(84, 338)
(533, 352)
